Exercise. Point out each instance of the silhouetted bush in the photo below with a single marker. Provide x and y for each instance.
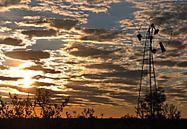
(86, 113)
(128, 116)
(170, 111)
(39, 107)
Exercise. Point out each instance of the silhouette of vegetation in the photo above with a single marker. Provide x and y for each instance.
(39, 107)
(48, 109)
(42, 106)
(128, 116)
(86, 113)
(170, 111)
(161, 109)
(17, 108)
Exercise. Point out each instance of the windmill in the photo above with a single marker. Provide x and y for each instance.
(150, 96)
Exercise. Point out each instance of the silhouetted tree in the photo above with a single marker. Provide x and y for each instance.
(17, 108)
(27, 107)
(48, 108)
(160, 108)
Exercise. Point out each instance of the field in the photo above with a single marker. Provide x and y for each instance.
(92, 124)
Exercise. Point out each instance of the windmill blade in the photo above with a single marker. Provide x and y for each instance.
(162, 47)
(139, 37)
(153, 51)
(156, 31)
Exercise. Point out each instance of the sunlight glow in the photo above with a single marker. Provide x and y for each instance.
(26, 75)
(27, 80)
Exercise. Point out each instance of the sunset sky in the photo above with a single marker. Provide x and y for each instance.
(88, 50)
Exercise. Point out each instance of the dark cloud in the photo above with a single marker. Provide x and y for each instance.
(93, 31)
(166, 63)
(66, 24)
(182, 64)
(126, 96)
(176, 44)
(98, 34)
(87, 89)
(91, 100)
(28, 55)
(177, 91)
(41, 68)
(108, 66)
(37, 21)
(93, 94)
(43, 77)
(171, 18)
(43, 84)
(134, 75)
(32, 90)
(46, 44)
(11, 41)
(84, 50)
(161, 81)
(40, 33)
(2, 67)
(130, 88)
(121, 81)
(172, 53)
(165, 77)
(185, 73)
(99, 99)
(8, 2)
(20, 89)
(10, 78)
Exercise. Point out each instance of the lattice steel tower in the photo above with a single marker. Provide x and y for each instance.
(147, 97)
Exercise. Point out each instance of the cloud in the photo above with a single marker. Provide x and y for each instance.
(66, 24)
(8, 2)
(10, 78)
(43, 84)
(176, 44)
(41, 68)
(107, 66)
(83, 50)
(19, 89)
(98, 34)
(184, 73)
(166, 63)
(92, 94)
(46, 44)
(126, 96)
(129, 74)
(40, 33)
(121, 81)
(27, 55)
(182, 64)
(11, 41)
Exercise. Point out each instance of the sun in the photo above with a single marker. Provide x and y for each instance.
(26, 76)
(27, 80)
